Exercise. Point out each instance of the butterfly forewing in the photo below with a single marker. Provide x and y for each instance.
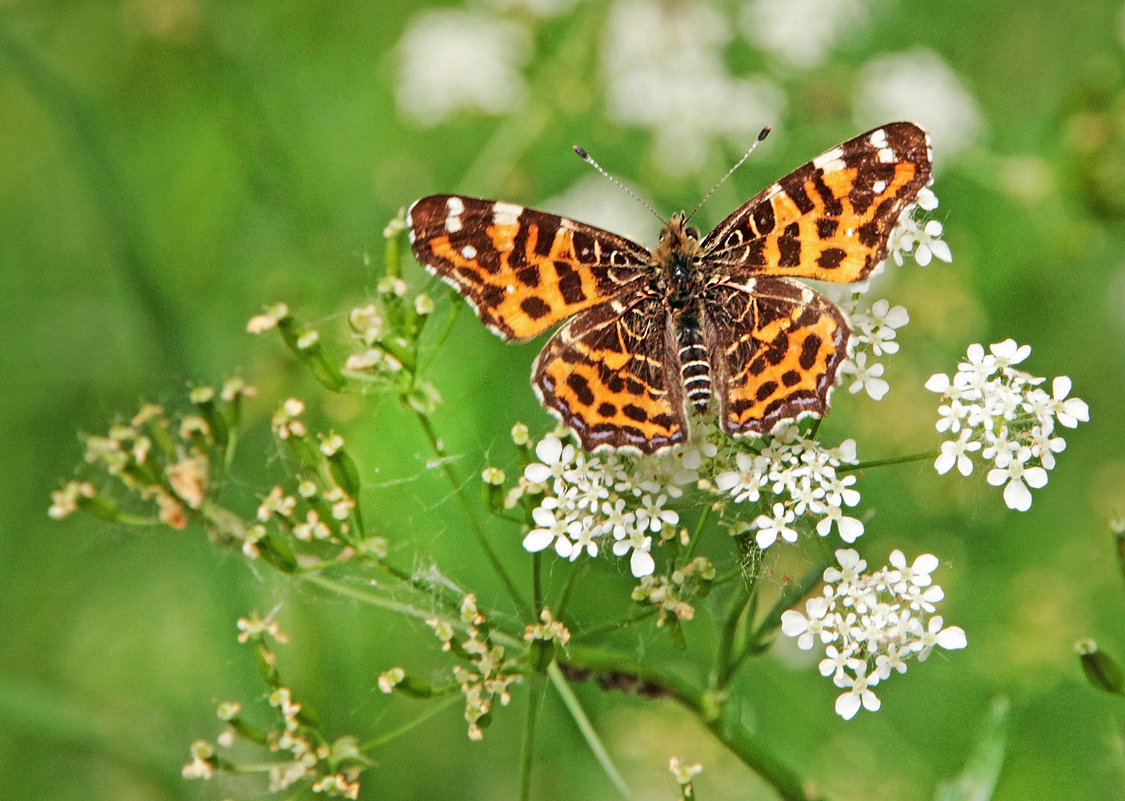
(522, 270)
(830, 219)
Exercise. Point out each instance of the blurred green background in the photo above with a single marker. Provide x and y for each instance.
(168, 166)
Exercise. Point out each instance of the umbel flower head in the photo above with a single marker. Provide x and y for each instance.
(871, 624)
(992, 408)
(594, 501)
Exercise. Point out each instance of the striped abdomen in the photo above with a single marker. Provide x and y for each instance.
(694, 368)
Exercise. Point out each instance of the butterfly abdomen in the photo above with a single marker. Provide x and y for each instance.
(695, 368)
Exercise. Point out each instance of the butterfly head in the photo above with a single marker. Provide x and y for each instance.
(675, 255)
(677, 237)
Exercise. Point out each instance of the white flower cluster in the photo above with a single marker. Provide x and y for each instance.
(871, 624)
(990, 406)
(873, 332)
(919, 235)
(589, 500)
(793, 476)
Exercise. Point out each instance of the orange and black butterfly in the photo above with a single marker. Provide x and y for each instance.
(656, 333)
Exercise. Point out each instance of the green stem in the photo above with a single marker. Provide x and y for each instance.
(537, 581)
(710, 710)
(913, 457)
(696, 535)
(470, 516)
(562, 686)
(609, 628)
(534, 698)
(393, 734)
(364, 595)
(727, 663)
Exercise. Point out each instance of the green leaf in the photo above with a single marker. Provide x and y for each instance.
(978, 778)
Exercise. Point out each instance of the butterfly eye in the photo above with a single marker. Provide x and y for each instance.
(692, 232)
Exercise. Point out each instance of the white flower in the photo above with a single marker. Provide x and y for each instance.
(950, 638)
(851, 564)
(918, 573)
(859, 692)
(745, 483)
(1008, 352)
(955, 452)
(554, 459)
(1068, 411)
(773, 527)
(1002, 411)
(866, 377)
(938, 382)
(871, 624)
(794, 624)
(453, 60)
(849, 528)
(1018, 478)
(930, 245)
(876, 328)
(551, 528)
(590, 499)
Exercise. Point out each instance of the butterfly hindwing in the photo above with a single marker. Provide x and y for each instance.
(776, 348)
(610, 375)
(522, 270)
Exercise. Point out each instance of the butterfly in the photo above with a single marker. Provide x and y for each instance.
(696, 322)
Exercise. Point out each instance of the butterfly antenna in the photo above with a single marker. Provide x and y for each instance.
(586, 157)
(764, 133)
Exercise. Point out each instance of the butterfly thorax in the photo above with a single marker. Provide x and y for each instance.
(681, 283)
(676, 256)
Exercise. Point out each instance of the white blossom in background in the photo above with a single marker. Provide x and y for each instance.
(801, 33)
(613, 501)
(663, 68)
(794, 477)
(918, 85)
(872, 624)
(537, 8)
(1006, 414)
(452, 61)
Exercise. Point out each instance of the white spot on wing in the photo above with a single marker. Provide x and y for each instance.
(506, 213)
(454, 208)
(831, 161)
(886, 155)
(469, 252)
(878, 186)
(878, 138)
